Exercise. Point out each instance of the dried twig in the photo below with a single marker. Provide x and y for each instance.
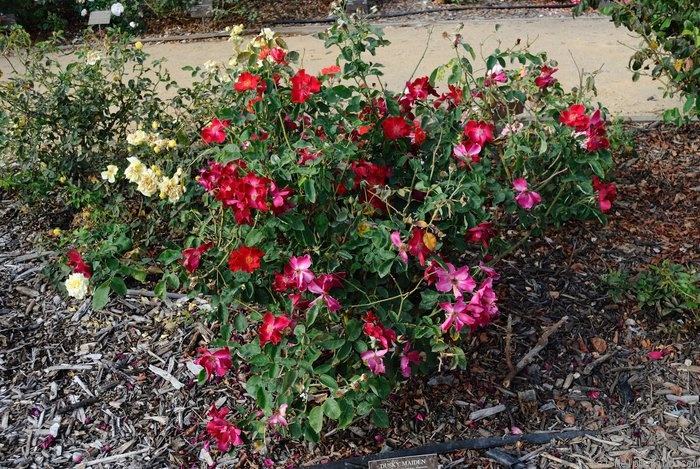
(78, 405)
(509, 338)
(150, 294)
(594, 364)
(117, 457)
(541, 343)
(488, 412)
(34, 255)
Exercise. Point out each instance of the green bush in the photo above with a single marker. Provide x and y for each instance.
(670, 48)
(42, 17)
(340, 230)
(668, 288)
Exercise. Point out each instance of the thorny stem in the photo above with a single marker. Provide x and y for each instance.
(401, 296)
(527, 234)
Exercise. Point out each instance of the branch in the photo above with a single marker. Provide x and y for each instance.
(542, 343)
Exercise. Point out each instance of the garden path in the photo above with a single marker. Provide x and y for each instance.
(583, 44)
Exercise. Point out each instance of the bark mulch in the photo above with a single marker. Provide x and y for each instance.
(112, 388)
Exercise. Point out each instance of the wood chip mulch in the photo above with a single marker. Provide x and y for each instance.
(112, 388)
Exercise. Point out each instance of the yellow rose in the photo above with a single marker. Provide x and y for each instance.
(138, 45)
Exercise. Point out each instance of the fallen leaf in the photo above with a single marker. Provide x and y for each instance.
(599, 345)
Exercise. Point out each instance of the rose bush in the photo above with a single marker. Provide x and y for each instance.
(345, 234)
(346, 226)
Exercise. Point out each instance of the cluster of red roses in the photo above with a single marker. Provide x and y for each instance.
(384, 337)
(244, 193)
(591, 127)
(369, 179)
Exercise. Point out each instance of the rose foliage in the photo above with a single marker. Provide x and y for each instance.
(346, 234)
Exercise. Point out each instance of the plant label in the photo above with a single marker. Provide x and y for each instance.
(100, 17)
(427, 461)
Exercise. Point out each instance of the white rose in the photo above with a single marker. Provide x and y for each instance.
(83, 12)
(77, 286)
(117, 9)
(110, 173)
(135, 170)
(137, 138)
(93, 57)
(148, 183)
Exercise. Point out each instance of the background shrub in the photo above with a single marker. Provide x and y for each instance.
(670, 47)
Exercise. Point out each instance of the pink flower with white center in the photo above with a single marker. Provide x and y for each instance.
(217, 363)
(495, 75)
(373, 359)
(457, 315)
(321, 286)
(225, 433)
(301, 275)
(468, 153)
(280, 199)
(455, 280)
(485, 297)
(403, 248)
(479, 132)
(278, 418)
(525, 198)
(408, 356)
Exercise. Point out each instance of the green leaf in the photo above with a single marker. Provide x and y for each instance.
(160, 290)
(202, 377)
(342, 91)
(139, 274)
(310, 190)
(328, 381)
(331, 409)
(310, 435)
(295, 430)
(262, 398)
(225, 331)
(353, 330)
(380, 418)
(117, 284)
(385, 268)
(172, 280)
(321, 223)
(332, 344)
(254, 238)
(429, 299)
(364, 408)
(240, 322)
(347, 414)
(101, 296)
(289, 378)
(312, 314)
(316, 419)
(169, 256)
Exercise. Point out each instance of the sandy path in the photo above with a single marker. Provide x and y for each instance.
(585, 44)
